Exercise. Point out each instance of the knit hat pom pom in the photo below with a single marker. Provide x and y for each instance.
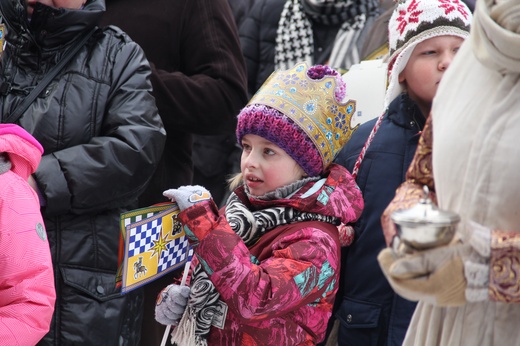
(320, 71)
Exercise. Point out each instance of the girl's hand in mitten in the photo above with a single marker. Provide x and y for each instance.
(171, 304)
(186, 196)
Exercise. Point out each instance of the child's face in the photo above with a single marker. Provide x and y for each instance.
(426, 66)
(265, 166)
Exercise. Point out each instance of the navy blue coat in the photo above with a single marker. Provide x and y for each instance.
(370, 313)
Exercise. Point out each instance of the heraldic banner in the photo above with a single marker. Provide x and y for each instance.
(152, 244)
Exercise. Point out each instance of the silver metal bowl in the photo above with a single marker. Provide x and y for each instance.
(424, 225)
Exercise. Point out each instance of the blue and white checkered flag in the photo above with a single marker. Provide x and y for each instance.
(143, 236)
(155, 244)
(175, 253)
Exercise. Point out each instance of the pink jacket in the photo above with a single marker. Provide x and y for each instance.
(281, 290)
(27, 292)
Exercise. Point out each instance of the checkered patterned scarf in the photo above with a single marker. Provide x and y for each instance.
(295, 41)
(203, 303)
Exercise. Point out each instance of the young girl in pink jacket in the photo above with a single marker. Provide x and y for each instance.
(27, 292)
(268, 262)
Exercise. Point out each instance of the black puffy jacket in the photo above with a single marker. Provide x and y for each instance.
(102, 136)
(258, 39)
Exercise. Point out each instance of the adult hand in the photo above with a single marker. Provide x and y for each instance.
(186, 196)
(171, 304)
(444, 276)
(435, 276)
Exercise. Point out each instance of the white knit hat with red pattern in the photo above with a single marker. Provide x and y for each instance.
(414, 21)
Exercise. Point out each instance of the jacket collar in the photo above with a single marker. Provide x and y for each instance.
(50, 28)
(327, 196)
(405, 113)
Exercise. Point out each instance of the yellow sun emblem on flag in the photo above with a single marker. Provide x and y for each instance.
(159, 245)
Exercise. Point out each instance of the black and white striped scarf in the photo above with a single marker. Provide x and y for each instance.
(203, 303)
(295, 41)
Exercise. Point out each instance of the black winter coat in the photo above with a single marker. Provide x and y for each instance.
(103, 137)
(258, 39)
(198, 76)
(370, 312)
(240, 9)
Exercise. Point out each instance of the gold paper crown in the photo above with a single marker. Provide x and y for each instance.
(312, 105)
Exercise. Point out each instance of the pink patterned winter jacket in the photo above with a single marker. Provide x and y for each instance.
(281, 290)
(27, 292)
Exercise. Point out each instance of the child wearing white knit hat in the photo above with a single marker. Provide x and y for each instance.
(424, 36)
(416, 21)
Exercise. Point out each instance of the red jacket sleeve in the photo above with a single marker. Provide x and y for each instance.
(302, 268)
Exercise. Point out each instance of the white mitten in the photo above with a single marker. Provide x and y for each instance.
(171, 304)
(186, 196)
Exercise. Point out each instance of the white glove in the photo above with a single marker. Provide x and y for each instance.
(171, 304)
(186, 196)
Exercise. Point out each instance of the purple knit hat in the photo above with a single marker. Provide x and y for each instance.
(301, 111)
